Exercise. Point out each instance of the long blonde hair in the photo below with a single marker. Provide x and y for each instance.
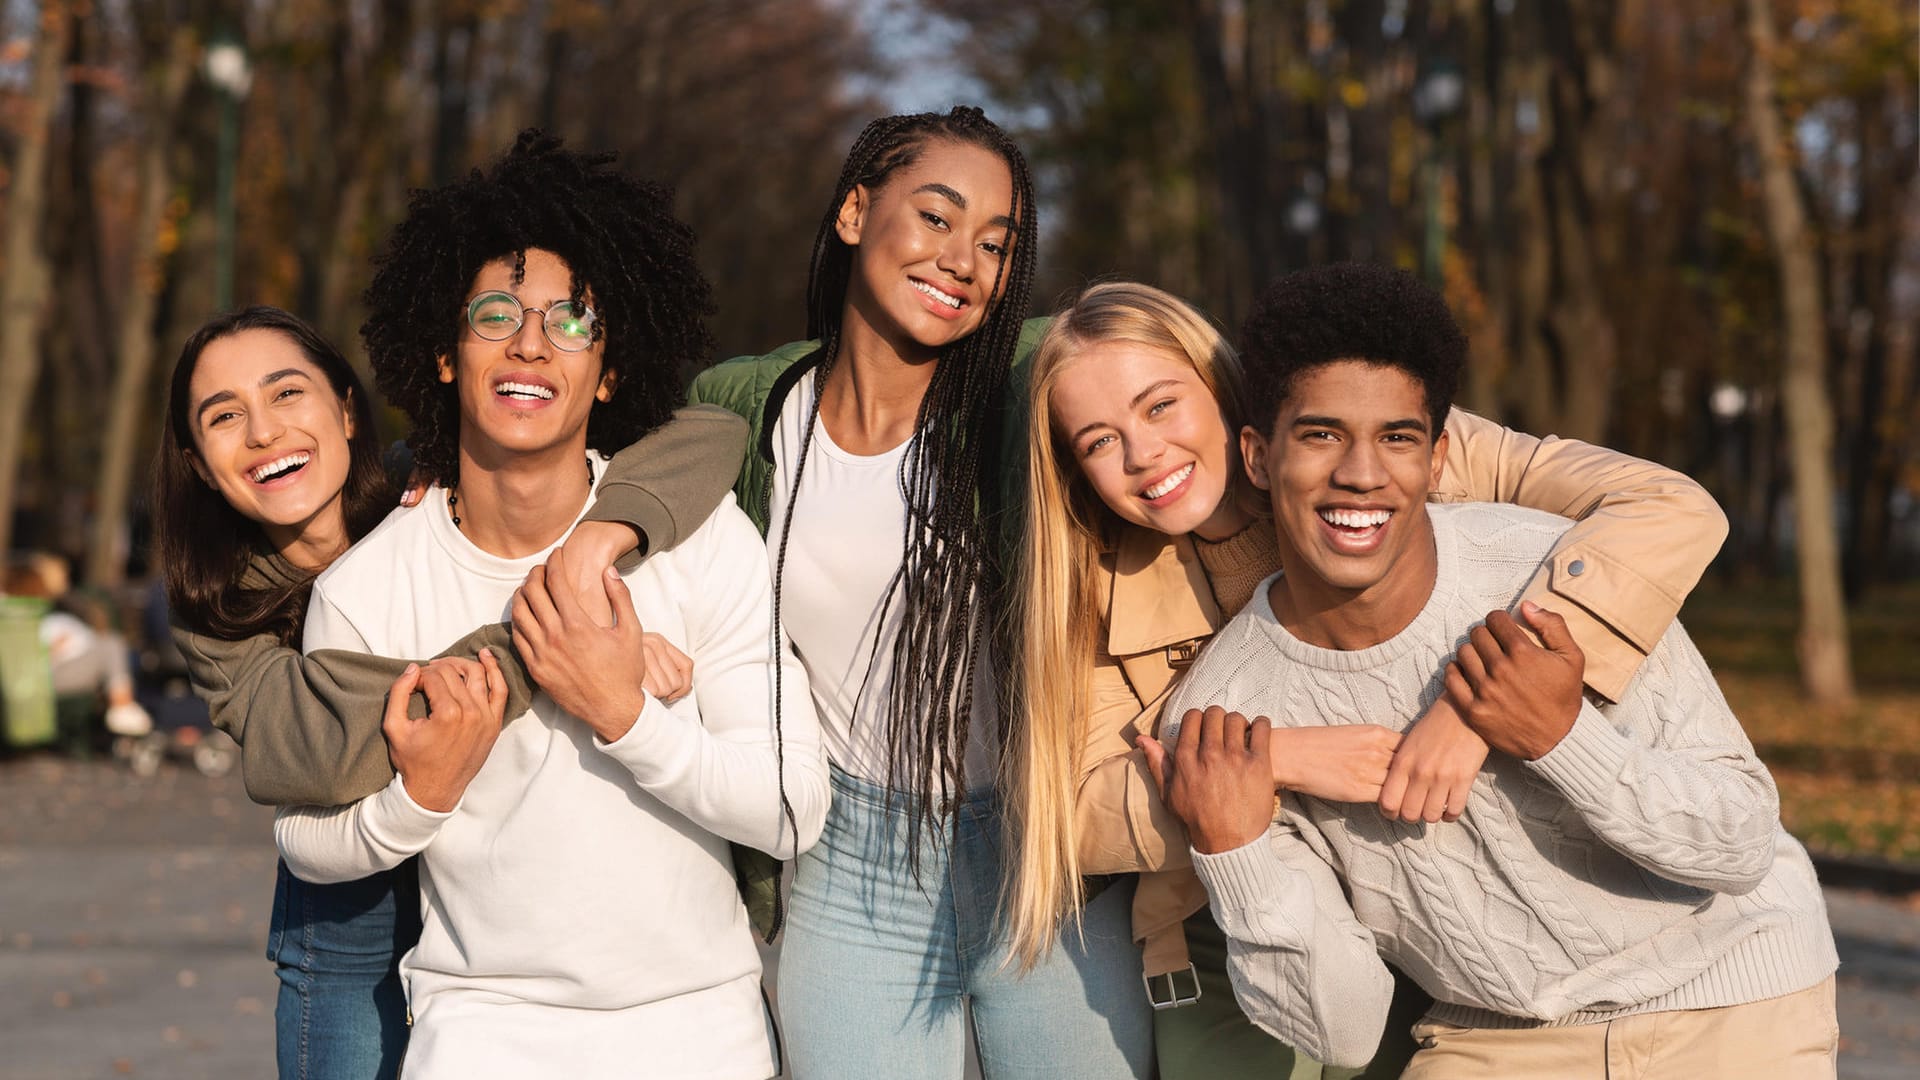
(1067, 527)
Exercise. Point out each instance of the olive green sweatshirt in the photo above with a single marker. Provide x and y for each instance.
(309, 726)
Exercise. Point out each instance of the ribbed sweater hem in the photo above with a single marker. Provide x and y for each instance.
(1769, 964)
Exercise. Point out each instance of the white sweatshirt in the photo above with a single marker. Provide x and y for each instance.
(580, 912)
(848, 541)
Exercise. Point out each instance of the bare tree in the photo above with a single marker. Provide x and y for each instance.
(1826, 667)
(23, 291)
(163, 85)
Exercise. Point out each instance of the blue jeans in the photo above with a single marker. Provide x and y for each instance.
(342, 1014)
(879, 970)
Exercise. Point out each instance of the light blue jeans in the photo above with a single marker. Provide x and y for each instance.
(879, 970)
(336, 949)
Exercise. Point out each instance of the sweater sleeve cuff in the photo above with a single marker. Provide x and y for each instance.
(641, 509)
(1246, 877)
(1588, 760)
(403, 823)
(646, 748)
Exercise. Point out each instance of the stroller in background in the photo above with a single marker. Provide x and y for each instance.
(182, 727)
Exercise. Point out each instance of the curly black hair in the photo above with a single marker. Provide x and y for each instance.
(617, 235)
(1350, 311)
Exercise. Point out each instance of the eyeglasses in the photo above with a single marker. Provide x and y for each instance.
(497, 316)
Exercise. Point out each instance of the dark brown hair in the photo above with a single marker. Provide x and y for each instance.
(202, 543)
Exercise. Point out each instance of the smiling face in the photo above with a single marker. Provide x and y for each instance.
(929, 245)
(1148, 436)
(524, 395)
(271, 436)
(1348, 463)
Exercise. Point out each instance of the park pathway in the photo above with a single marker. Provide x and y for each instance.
(133, 916)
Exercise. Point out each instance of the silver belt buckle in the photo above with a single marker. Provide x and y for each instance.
(1173, 998)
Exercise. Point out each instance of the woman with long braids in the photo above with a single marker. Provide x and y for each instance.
(884, 456)
(268, 468)
(1142, 539)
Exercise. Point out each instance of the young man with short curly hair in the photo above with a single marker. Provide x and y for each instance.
(1618, 896)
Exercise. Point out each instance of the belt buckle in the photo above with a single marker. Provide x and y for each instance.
(1180, 656)
(1173, 999)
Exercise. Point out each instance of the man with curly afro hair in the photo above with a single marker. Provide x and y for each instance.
(1618, 886)
(581, 912)
(618, 238)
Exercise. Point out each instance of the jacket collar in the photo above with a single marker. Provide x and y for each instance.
(783, 383)
(1160, 594)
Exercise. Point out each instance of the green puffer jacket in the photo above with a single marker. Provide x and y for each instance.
(754, 388)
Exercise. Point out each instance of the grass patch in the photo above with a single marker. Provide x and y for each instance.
(1849, 778)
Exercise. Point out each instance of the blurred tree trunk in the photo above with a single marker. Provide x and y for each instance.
(62, 452)
(456, 53)
(1826, 668)
(162, 87)
(1238, 84)
(23, 290)
(1882, 233)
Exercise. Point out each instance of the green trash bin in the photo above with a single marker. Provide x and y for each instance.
(27, 715)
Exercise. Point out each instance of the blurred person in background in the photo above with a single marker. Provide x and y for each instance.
(91, 663)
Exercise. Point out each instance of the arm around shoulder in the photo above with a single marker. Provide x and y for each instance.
(1644, 535)
(666, 484)
(308, 726)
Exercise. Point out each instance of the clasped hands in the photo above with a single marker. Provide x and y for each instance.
(576, 630)
(1503, 692)
(599, 673)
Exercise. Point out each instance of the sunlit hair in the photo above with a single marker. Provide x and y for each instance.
(1057, 605)
(201, 543)
(950, 575)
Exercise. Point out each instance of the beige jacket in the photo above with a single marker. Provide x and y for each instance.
(1645, 535)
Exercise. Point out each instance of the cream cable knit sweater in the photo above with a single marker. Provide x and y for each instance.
(1638, 867)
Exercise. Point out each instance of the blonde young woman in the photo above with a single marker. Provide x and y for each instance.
(1138, 549)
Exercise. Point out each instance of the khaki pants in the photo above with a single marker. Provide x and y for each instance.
(1793, 1037)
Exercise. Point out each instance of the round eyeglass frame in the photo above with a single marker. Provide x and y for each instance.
(558, 312)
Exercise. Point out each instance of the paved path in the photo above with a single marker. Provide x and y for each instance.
(133, 916)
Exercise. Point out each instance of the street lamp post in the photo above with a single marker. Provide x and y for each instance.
(227, 69)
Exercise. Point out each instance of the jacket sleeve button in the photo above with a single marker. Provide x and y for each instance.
(1577, 567)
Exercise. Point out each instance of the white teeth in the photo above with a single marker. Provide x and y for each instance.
(523, 390)
(950, 301)
(280, 465)
(1356, 519)
(1172, 481)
